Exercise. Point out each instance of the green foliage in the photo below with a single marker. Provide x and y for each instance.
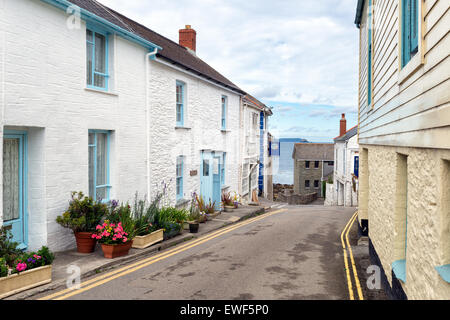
(8, 248)
(144, 214)
(210, 207)
(122, 213)
(33, 260)
(200, 202)
(83, 214)
(227, 200)
(46, 255)
(3, 268)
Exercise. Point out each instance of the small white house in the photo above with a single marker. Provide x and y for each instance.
(92, 101)
(344, 190)
(254, 148)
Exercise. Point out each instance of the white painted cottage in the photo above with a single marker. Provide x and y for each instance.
(255, 149)
(344, 190)
(92, 101)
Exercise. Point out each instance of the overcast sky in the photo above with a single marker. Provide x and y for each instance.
(298, 56)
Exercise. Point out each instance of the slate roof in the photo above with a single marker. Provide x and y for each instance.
(359, 9)
(258, 104)
(350, 133)
(171, 51)
(313, 151)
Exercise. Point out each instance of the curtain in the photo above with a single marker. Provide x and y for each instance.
(11, 183)
(101, 165)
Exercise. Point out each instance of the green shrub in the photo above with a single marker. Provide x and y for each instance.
(122, 213)
(83, 214)
(8, 248)
(144, 215)
(32, 260)
(3, 268)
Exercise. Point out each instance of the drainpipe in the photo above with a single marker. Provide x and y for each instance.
(149, 56)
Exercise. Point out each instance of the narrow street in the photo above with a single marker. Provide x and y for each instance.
(293, 254)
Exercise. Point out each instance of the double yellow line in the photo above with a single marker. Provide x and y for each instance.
(107, 277)
(346, 246)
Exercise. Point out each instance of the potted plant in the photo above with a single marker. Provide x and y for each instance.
(236, 199)
(227, 202)
(113, 238)
(147, 232)
(82, 216)
(201, 206)
(117, 232)
(29, 270)
(211, 210)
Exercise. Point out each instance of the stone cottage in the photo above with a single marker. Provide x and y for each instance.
(313, 164)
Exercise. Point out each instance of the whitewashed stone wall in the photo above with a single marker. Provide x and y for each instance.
(202, 132)
(43, 81)
(345, 153)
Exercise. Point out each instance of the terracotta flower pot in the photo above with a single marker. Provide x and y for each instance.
(111, 251)
(85, 243)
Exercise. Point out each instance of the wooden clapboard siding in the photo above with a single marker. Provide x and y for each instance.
(413, 111)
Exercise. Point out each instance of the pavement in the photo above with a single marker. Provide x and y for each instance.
(94, 263)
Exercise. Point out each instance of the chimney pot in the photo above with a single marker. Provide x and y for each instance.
(188, 38)
(343, 126)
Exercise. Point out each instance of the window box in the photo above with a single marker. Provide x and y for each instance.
(142, 242)
(25, 280)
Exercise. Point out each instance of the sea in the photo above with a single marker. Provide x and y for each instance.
(283, 171)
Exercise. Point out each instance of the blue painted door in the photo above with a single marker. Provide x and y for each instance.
(14, 187)
(356, 166)
(210, 178)
(216, 182)
(206, 176)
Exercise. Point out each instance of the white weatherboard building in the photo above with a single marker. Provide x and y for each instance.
(107, 107)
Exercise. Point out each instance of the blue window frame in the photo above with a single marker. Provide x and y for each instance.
(222, 169)
(410, 30)
(369, 55)
(96, 59)
(224, 112)
(179, 169)
(180, 93)
(15, 173)
(99, 168)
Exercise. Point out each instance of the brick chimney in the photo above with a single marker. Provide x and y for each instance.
(188, 38)
(343, 126)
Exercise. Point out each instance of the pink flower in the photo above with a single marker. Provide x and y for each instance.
(99, 227)
(125, 239)
(94, 236)
(21, 266)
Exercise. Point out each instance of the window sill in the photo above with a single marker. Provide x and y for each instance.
(399, 268)
(101, 91)
(181, 202)
(182, 128)
(411, 67)
(224, 187)
(444, 272)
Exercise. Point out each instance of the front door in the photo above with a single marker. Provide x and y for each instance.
(210, 178)
(14, 186)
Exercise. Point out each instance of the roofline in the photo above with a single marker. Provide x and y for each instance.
(264, 107)
(359, 9)
(179, 67)
(346, 132)
(307, 143)
(89, 16)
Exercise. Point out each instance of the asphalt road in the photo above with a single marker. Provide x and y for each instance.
(294, 254)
